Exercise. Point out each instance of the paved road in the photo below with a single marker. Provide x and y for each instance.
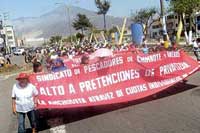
(19, 60)
(176, 110)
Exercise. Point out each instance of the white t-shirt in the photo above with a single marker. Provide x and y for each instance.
(195, 45)
(24, 97)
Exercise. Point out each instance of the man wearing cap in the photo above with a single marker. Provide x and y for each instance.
(24, 100)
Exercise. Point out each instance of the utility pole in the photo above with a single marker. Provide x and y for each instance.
(162, 8)
(5, 18)
(69, 23)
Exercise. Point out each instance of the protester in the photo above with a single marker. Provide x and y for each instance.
(24, 101)
(8, 61)
(173, 39)
(196, 50)
(145, 49)
(39, 57)
(84, 60)
(2, 61)
(174, 46)
(37, 67)
(58, 65)
(48, 63)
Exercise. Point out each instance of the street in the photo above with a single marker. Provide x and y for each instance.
(175, 110)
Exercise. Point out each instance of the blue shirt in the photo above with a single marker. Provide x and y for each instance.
(58, 69)
(145, 50)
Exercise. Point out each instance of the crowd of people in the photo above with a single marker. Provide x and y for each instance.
(4, 60)
(51, 57)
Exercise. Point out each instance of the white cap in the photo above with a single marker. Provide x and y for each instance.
(53, 57)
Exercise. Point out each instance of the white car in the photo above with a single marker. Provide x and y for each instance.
(19, 51)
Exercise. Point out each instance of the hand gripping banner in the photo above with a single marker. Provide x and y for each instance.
(122, 78)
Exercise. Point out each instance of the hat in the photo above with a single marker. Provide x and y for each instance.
(22, 76)
(53, 57)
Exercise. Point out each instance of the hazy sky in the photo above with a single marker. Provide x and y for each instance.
(29, 8)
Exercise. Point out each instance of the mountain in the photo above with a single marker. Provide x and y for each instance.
(56, 22)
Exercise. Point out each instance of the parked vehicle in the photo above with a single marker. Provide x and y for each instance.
(19, 51)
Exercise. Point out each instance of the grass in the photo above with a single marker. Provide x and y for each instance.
(10, 69)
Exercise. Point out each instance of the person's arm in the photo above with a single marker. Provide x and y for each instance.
(14, 106)
(14, 101)
(35, 96)
(36, 101)
(33, 60)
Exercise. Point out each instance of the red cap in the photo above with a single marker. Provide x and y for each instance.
(22, 76)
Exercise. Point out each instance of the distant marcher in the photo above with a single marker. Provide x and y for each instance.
(24, 101)
(174, 46)
(39, 57)
(37, 67)
(84, 60)
(196, 50)
(58, 65)
(2, 61)
(145, 49)
(173, 39)
(7, 57)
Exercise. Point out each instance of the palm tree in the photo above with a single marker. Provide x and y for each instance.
(103, 7)
(55, 39)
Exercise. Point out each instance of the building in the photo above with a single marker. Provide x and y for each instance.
(10, 37)
(155, 30)
(2, 38)
(172, 24)
(7, 38)
(34, 42)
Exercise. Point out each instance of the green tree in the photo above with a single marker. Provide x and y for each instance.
(185, 7)
(71, 38)
(110, 31)
(82, 23)
(80, 36)
(145, 17)
(113, 29)
(55, 39)
(103, 7)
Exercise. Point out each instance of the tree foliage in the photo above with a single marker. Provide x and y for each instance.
(103, 8)
(55, 39)
(113, 29)
(79, 36)
(70, 39)
(82, 23)
(185, 7)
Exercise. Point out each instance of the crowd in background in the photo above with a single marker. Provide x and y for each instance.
(51, 56)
